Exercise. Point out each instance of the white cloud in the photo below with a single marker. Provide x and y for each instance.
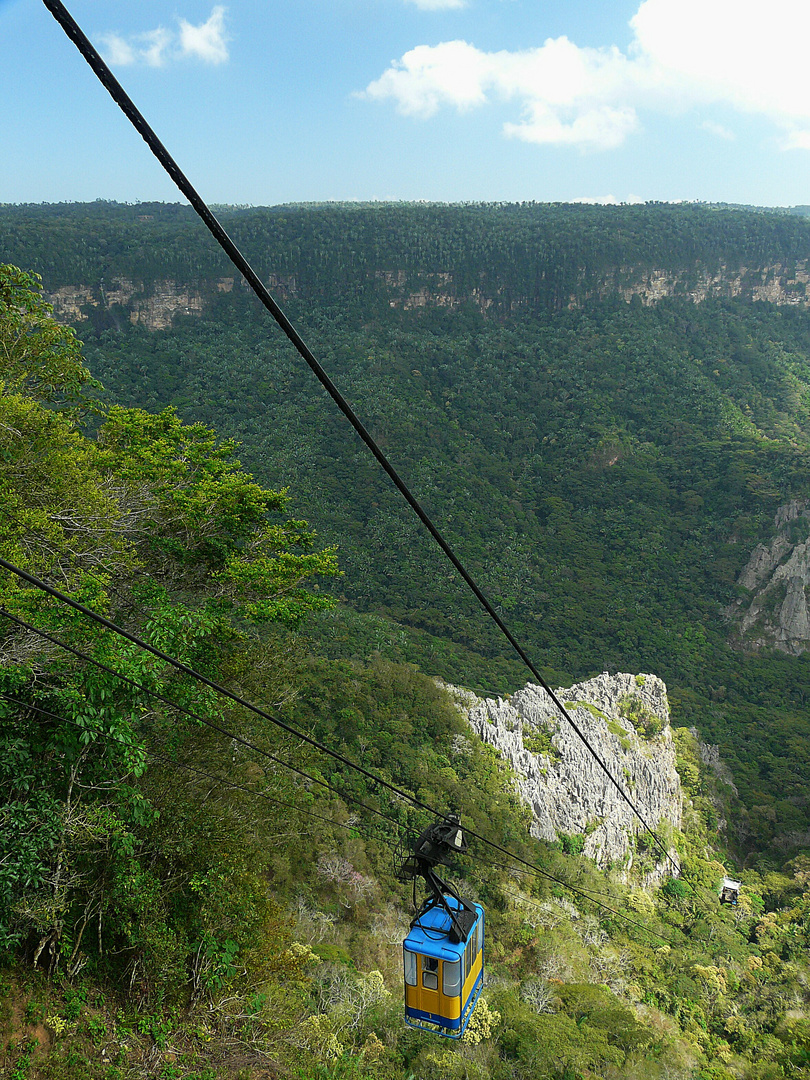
(427, 77)
(685, 53)
(206, 42)
(797, 139)
(609, 200)
(603, 128)
(117, 51)
(154, 46)
(733, 51)
(569, 96)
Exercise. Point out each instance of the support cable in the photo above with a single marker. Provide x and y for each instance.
(528, 868)
(164, 759)
(124, 102)
(108, 624)
(201, 719)
(212, 685)
(225, 782)
(569, 885)
(605, 907)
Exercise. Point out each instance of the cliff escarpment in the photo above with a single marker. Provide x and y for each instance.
(153, 306)
(156, 262)
(156, 305)
(625, 719)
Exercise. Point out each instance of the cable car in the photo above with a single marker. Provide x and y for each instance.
(729, 891)
(443, 954)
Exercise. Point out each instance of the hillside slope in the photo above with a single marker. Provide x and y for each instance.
(189, 890)
(591, 402)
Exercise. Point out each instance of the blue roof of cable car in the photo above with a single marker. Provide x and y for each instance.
(424, 937)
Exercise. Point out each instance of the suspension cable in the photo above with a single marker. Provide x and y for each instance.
(223, 781)
(201, 719)
(164, 759)
(136, 118)
(56, 594)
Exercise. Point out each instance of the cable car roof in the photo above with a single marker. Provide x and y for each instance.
(429, 935)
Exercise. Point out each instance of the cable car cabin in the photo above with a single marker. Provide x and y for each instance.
(444, 976)
(729, 891)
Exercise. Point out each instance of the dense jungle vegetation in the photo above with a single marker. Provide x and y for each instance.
(605, 471)
(531, 253)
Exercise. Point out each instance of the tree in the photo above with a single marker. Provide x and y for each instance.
(153, 523)
(40, 358)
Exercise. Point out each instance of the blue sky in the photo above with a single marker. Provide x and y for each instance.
(449, 100)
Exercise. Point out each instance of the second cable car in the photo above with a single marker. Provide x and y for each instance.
(443, 953)
(729, 891)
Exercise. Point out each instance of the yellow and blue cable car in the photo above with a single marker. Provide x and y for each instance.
(443, 954)
(443, 977)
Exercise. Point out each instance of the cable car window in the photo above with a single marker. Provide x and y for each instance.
(430, 973)
(410, 967)
(451, 978)
(469, 955)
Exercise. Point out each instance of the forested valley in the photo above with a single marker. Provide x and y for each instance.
(605, 410)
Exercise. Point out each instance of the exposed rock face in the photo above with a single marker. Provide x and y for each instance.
(156, 305)
(710, 755)
(68, 302)
(561, 781)
(783, 285)
(776, 614)
(776, 284)
(154, 308)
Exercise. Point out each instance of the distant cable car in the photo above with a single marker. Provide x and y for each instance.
(729, 891)
(443, 953)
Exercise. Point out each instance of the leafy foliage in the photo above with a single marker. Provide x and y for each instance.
(604, 468)
(40, 358)
(632, 456)
(149, 494)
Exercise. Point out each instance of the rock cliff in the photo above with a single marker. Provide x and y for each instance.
(156, 305)
(773, 612)
(626, 720)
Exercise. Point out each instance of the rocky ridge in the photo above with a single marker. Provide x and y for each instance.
(559, 779)
(774, 611)
(776, 284)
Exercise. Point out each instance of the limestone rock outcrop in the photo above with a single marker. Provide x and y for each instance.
(155, 305)
(559, 778)
(775, 612)
(778, 284)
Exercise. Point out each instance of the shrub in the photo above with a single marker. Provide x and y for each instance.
(646, 723)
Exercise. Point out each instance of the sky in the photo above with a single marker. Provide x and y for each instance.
(265, 103)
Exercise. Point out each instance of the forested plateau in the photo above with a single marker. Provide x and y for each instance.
(605, 410)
